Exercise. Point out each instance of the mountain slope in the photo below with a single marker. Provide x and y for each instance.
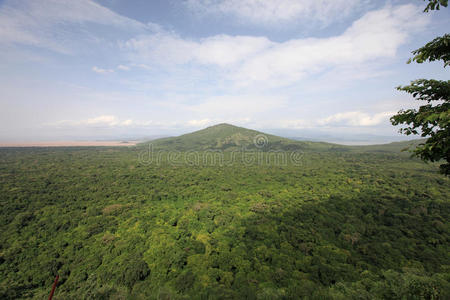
(391, 147)
(226, 137)
(229, 137)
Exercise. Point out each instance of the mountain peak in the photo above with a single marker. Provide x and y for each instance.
(221, 131)
(221, 126)
(229, 137)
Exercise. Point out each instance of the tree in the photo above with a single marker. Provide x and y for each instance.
(435, 5)
(431, 120)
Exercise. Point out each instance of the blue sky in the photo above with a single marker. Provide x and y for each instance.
(115, 68)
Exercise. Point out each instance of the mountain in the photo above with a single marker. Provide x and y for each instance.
(391, 147)
(228, 137)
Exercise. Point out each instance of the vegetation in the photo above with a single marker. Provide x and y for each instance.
(435, 4)
(356, 224)
(226, 137)
(431, 120)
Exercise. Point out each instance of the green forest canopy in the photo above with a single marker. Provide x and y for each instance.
(339, 225)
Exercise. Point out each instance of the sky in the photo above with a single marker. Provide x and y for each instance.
(109, 69)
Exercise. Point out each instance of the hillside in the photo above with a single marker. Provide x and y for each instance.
(226, 137)
(391, 147)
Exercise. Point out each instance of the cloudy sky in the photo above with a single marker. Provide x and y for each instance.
(122, 68)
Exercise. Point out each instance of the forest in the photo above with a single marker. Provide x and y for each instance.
(340, 224)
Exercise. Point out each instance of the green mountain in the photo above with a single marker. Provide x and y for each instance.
(228, 137)
(391, 147)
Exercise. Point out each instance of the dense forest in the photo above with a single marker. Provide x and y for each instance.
(368, 224)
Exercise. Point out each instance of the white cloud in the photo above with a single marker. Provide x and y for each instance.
(243, 60)
(339, 120)
(99, 121)
(113, 122)
(272, 12)
(293, 124)
(127, 122)
(44, 23)
(355, 118)
(199, 123)
(220, 50)
(249, 60)
(377, 35)
(102, 71)
(123, 68)
(225, 50)
(237, 106)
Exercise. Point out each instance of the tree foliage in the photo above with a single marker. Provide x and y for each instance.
(435, 5)
(437, 49)
(343, 225)
(430, 120)
(433, 119)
